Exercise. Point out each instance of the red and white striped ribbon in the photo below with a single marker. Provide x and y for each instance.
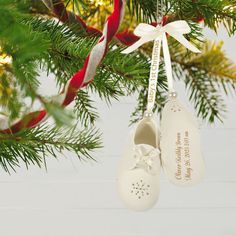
(82, 78)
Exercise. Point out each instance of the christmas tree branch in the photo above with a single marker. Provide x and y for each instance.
(84, 109)
(212, 12)
(205, 76)
(23, 50)
(121, 75)
(68, 51)
(33, 146)
(212, 61)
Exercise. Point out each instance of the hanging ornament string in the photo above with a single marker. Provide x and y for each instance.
(154, 71)
(81, 78)
(155, 63)
(148, 33)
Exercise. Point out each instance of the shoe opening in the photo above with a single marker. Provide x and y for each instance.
(145, 134)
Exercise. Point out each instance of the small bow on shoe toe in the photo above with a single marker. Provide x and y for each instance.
(145, 157)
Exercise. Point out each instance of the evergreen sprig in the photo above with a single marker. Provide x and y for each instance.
(33, 146)
(85, 109)
(206, 75)
(144, 10)
(212, 12)
(118, 74)
(25, 48)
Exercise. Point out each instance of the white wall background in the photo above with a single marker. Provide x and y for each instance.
(80, 199)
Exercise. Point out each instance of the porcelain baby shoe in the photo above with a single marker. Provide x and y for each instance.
(181, 153)
(139, 171)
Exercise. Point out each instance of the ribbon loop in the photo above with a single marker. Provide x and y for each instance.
(143, 29)
(180, 26)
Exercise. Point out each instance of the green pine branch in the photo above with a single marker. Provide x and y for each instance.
(18, 42)
(34, 146)
(118, 74)
(144, 10)
(85, 109)
(213, 12)
(206, 75)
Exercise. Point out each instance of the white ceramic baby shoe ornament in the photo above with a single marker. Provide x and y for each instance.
(139, 170)
(181, 154)
(138, 180)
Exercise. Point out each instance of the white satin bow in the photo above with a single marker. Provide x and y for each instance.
(176, 29)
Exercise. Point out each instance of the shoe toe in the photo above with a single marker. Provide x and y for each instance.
(138, 189)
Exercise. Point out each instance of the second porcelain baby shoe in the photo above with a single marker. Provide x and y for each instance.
(139, 171)
(181, 154)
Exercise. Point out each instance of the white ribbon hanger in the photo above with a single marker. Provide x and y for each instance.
(148, 33)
